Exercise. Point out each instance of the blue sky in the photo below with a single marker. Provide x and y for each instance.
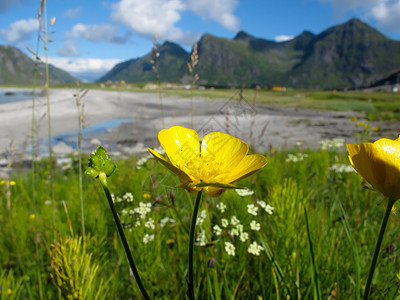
(91, 36)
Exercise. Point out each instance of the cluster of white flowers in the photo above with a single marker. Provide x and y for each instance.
(217, 230)
(166, 220)
(230, 248)
(341, 168)
(252, 209)
(296, 157)
(221, 207)
(255, 226)
(150, 224)
(143, 209)
(201, 217)
(244, 192)
(224, 222)
(128, 197)
(255, 249)
(201, 239)
(148, 238)
(268, 208)
(332, 145)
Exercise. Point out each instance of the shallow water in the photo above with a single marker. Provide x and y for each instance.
(15, 96)
(70, 138)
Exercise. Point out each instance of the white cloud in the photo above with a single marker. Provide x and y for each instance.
(68, 49)
(150, 17)
(85, 69)
(72, 13)
(283, 38)
(387, 13)
(19, 31)
(97, 33)
(220, 11)
(160, 17)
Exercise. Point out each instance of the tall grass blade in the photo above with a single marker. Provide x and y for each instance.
(317, 293)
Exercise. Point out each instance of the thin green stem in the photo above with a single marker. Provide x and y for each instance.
(103, 180)
(191, 244)
(47, 88)
(378, 247)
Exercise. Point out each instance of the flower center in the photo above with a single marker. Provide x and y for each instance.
(203, 169)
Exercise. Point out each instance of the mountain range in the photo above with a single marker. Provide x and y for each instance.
(350, 55)
(17, 68)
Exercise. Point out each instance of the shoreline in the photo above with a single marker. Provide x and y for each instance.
(263, 127)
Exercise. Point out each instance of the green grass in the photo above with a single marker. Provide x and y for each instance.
(343, 220)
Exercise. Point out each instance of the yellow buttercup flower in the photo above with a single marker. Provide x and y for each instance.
(379, 164)
(212, 164)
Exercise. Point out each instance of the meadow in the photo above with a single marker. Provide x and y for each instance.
(305, 229)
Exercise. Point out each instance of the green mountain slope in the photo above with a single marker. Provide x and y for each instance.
(172, 63)
(17, 68)
(349, 55)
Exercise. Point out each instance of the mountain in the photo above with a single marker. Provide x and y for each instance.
(171, 64)
(17, 68)
(350, 55)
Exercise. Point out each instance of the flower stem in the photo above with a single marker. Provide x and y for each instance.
(378, 247)
(191, 244)
(103, 180)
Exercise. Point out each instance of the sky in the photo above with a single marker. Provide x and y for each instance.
(88, 37)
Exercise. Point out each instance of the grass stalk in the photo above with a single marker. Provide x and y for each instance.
(103, 180)
(317, 293)
(378, 247)
(190, 281)
(354, 250)
(47, 88)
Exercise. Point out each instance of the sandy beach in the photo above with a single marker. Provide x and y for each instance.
(131, 122)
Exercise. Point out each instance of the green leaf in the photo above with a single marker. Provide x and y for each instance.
(100, 162)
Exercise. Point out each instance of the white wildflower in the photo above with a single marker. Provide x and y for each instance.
(255, 249)
(262, 203)
(244, 236)
(296, 157)
(201, 217)
(128, 197)
(221, 207)
(217, 230)
(234, 221)
(142, 161)
(255, 226)
(224, 222)
(230, 248)
(252, 209)
(244, 192)
(165, 220)
(201, 238)
(150, 224)
(148, 238)
(124, 211)
(334, 144)
(269, 209)
(341, 168)
(237, 230)
(143, 209)
(137, 223)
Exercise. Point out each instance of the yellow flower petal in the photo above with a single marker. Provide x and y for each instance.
(379, 164)
(183, 177)
(224, 148)
(249, 164)
(180, 144)
(211, 165)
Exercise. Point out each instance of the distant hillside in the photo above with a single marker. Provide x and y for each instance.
(17, 68)
(172, 66)
(350, 55)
